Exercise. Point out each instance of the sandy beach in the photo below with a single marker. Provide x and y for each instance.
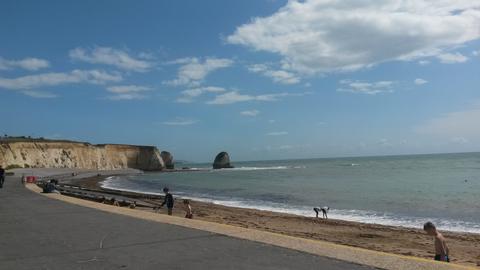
(464, 247)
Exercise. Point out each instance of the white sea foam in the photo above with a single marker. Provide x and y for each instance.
(255, 168)
(246, 168)
(363, 216)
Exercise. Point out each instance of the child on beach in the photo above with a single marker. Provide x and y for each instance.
(188, 209)
(168, 201)
(441, 248)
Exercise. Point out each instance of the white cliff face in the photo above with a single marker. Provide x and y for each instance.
(53, 154)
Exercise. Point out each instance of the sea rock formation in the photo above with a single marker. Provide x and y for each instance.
(167, 160)
(69, 154)
(222, 160)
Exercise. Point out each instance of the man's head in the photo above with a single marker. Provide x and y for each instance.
(430, 228)
(165, 190)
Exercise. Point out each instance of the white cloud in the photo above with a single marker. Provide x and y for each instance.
(476, 53)
(455, 124)
(324, 36)
(126, 96)
(459, 140)
(59, 78)
(26, 63)
(271, 121)
(385, 142)
(419, 81)
(281, 148)
(277, 133)
(278, 76)
(110, 56)
(123, 89)
(423, 62)
(127, 92)
(452, 58)
(370, 88)
(235, 97)
(251, 113)
(193, 71)
(230, 97)
(39, 94)
(180, 122)
(189, 95)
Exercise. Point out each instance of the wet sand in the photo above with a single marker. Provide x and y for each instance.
(464, 247)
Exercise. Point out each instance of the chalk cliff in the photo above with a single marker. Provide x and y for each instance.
(167, 160)
(68, 154)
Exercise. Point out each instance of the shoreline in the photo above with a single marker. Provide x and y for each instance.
(465, 247)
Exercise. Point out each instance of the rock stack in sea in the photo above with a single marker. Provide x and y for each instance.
(167, 160)
(222, 161)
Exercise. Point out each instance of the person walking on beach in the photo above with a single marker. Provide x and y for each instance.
(188, 209)
(168, 201)
(2, 176)
(324, 211)
(441, 248)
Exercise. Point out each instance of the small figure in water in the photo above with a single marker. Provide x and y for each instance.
(188, 209)
(441, 248)
(324, 211)
(168, 201)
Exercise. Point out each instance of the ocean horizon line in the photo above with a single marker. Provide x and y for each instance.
(186, 161)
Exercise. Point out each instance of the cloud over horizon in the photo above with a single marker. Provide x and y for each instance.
(127, 92)
(277, 133)
(193, 71)
(420, 81)
(362, 87)
(114, 57)
(58, 78)
(457, 124)
(250, 113)
(30, 63)
(39, 94)
(316, 36)
(278, 76)
(452, 58)
(189, 95)
(180, 121)
(235, 97)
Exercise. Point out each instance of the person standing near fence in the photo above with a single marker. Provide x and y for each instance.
(2, 176)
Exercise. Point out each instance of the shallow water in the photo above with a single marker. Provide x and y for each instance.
(396, 190)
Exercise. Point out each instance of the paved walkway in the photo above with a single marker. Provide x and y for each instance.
(41, 233)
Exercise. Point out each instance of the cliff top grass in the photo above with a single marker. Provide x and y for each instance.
(12, 139)
(29, 139)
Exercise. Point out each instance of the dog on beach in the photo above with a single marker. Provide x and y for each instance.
(324, 211)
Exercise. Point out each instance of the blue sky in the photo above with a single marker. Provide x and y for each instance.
(259, 79)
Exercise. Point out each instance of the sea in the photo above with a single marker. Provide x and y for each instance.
(402, 191)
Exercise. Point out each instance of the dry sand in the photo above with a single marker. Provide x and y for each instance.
(464, 247)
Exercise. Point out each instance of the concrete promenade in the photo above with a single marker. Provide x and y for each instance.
(37, 232)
